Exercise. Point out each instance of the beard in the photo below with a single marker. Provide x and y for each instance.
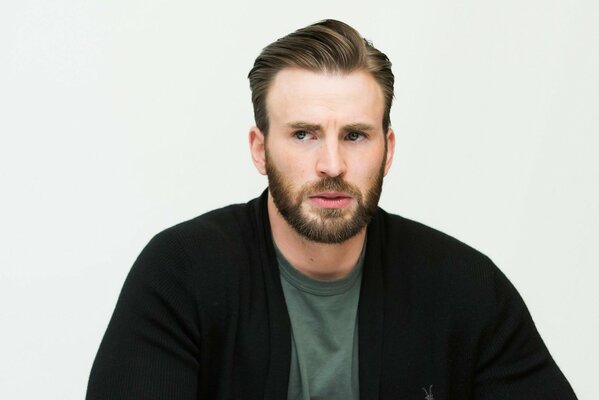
(324, 225)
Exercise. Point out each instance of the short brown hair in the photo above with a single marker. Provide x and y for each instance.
(327, 46)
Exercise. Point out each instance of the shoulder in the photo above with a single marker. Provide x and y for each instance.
(223, 221)
(223, 226)
(206, 242)
(425, 244)
(425, 260)
(201, 258)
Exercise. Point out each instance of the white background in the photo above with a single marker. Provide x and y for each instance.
(121, 118)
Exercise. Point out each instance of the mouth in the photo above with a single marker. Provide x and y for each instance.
(331, 200)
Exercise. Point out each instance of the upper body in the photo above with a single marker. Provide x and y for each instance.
(202, 316)
(205, 314)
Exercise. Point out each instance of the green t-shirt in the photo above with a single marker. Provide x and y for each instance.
(324, 334)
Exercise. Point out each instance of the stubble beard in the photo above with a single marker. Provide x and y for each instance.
(324, 225)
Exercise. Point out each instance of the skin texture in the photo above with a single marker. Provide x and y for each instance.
(325, 152)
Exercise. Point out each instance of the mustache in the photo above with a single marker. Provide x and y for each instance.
(332, 184)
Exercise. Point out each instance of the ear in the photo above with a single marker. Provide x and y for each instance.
(258, 149)
(390, 149)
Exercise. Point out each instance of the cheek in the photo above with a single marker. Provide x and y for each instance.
(293, 170)
(368, 167)
(294, 166)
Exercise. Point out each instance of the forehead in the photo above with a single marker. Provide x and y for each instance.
(300, 94)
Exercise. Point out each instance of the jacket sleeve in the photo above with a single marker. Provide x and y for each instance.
(150, 348)
(514, 363)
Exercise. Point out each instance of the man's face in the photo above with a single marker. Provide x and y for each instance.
(325, 153)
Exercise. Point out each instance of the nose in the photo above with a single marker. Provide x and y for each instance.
(330, 159)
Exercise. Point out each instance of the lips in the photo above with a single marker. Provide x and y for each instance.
(331, 199)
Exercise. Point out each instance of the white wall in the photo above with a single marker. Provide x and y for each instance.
(120, 118)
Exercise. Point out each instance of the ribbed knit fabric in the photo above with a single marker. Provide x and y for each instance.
(202, 316)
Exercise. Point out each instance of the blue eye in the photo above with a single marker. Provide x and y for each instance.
(301, 135)
(353, 136)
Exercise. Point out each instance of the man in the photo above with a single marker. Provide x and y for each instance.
(311, 291)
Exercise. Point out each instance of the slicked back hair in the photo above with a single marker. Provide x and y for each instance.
(328, 46)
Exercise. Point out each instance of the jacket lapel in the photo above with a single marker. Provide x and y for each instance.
(370, 312)
(279, 354)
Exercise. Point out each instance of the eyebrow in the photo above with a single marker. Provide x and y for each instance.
(358, 127)
(304, 126)
(315, 127)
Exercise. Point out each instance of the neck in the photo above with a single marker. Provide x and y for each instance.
(317, 260)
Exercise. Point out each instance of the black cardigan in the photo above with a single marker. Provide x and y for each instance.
(202, 316)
